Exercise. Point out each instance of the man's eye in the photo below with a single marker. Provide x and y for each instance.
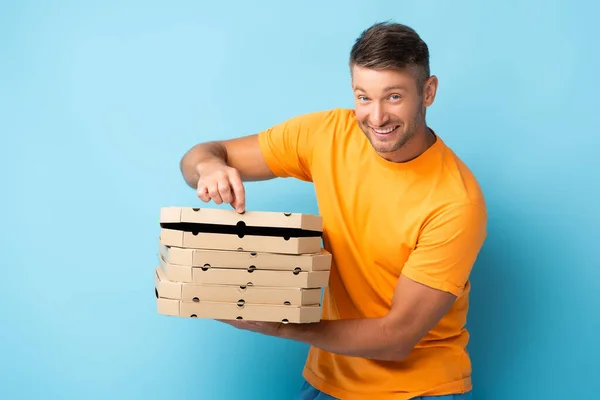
(362, 98)
(395, 97)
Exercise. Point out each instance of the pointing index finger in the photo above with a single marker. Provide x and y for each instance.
(239, 193)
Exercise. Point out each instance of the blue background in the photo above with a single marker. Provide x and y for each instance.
(99, 100)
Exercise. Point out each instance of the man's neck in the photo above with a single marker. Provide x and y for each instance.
(424, 139)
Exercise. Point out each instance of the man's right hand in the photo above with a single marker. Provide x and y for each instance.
(222, 184)
(217, 169)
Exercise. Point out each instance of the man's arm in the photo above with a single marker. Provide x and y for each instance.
(432, 278)
(242, 154)
(217, 169)
(415, 310)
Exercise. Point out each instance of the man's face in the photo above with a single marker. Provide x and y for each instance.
(388, 107)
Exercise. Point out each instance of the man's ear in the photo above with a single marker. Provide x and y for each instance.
(430, 90)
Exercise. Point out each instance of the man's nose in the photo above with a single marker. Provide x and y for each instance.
(377, 115)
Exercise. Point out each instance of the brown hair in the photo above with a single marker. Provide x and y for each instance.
(387, 45)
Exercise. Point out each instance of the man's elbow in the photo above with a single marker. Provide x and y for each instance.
(395, 352)
(400, 342)
(397, 347)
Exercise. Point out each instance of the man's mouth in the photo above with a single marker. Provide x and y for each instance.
(384, 131)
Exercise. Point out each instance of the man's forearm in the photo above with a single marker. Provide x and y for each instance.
(365, 337)
(201, 153)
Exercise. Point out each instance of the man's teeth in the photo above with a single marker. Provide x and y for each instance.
(382, 131)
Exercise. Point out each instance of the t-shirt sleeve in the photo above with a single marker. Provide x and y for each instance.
(288, 146)
(447, 248)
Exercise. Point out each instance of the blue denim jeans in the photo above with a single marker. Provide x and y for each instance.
(308, 392)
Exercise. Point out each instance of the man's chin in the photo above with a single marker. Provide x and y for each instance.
(384, 145)
(384, 150)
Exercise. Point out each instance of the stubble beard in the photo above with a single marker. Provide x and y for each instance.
(403, 138)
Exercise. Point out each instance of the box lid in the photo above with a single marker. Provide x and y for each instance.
(195, 292)
(263, 223)
(243, 259)
(230, 242)
(245, 277)
(231, 311)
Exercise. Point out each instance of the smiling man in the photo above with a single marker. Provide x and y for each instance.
(404, 219)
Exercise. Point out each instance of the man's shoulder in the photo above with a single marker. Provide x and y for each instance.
(335, 112)
(330, 117)
(460, 186)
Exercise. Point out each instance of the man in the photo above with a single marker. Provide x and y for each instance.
(404, 219)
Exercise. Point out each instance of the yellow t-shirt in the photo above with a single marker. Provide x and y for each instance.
(425, 218)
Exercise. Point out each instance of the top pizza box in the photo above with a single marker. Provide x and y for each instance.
(266, 223)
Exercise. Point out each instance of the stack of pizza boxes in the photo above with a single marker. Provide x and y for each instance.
(255, 266)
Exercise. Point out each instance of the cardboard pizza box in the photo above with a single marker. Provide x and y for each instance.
(218, 229)
(240, 259)
(266, 219)
(192, 292)
(232, 242)
(231, 311)
(244, 277)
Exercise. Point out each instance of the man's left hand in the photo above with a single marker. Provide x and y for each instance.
(265, 328)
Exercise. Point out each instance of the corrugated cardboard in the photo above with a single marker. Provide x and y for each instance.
(249, 218)
(258, 266)
(231, 311)
(244, 277)
(193, 292)
(240, 259)
(220, 241)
